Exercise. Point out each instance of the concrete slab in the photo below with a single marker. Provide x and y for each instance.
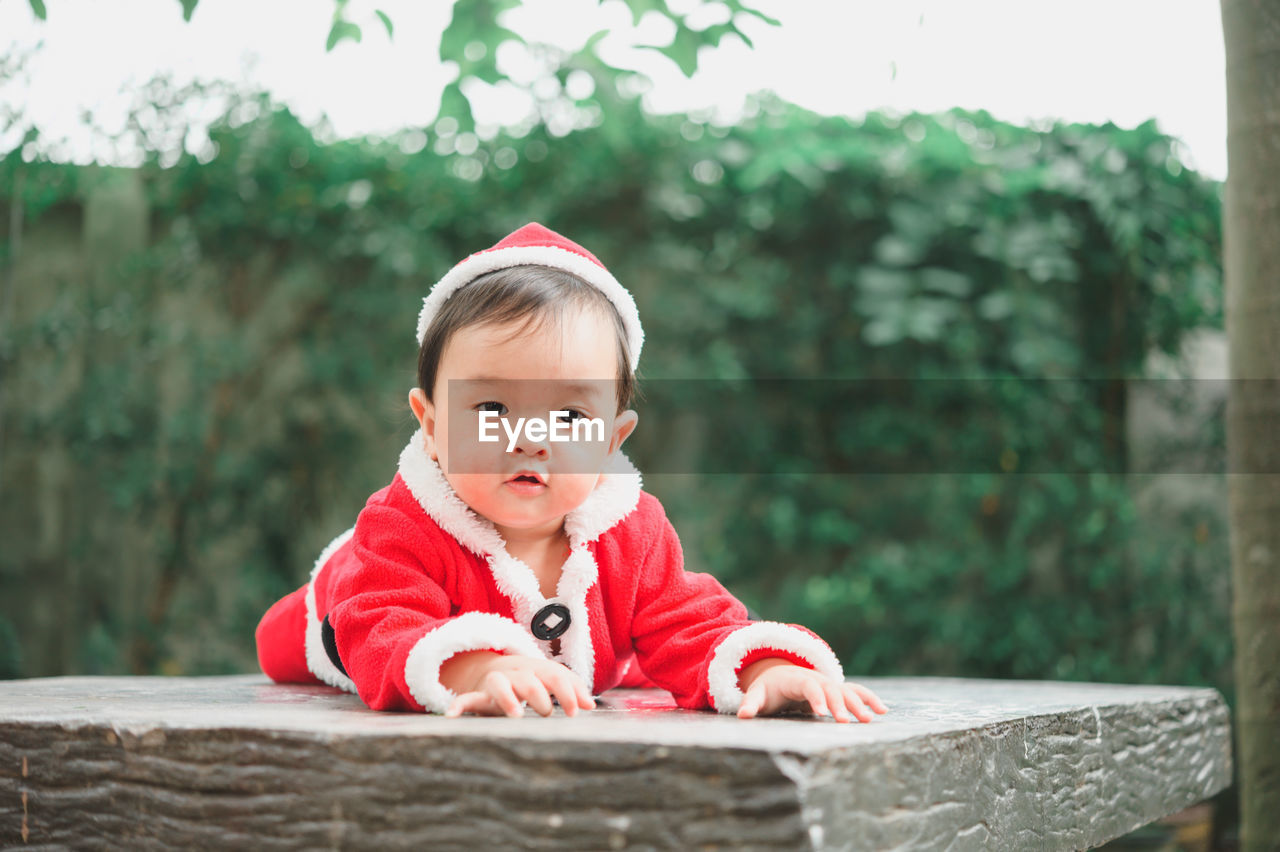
(956, 764)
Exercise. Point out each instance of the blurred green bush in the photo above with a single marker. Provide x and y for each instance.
(201, 394)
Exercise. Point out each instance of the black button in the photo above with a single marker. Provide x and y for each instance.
(330, 642)
(551, 621)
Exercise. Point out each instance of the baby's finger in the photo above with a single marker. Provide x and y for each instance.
(585, 700)
(751, 702)
(468, 702)
(835, 701)
(873, 700)
(580, 692)
(531, 689)
(581, 689)
(814, 695)
(562, 687)
(498, 687)
(855, 703)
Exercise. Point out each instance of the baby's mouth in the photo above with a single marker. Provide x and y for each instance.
(527, 480)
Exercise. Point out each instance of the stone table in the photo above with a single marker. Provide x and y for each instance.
(956, 764)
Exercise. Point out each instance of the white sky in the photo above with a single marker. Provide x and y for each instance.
(1087, 60)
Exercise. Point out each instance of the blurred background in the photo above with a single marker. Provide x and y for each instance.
(218, 219)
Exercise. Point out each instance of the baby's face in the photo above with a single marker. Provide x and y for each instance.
(489, 377)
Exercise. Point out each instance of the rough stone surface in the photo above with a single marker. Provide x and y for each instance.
(955, 765)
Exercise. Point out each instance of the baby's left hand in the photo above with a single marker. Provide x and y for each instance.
(772, 685)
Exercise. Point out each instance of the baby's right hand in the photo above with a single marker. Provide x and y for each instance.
(496, 684)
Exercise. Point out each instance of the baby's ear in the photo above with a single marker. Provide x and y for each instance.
(425, 411)
(623, 425)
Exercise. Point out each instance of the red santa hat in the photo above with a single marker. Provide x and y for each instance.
(535, 244)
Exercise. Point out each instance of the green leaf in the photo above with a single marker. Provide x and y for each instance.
(713, 34)
(595, 39)
(683, 49)
(736, 6)
(37, 7)
(475, 22)
(386, 22)
(340, 31)
(188, 9)
(640, 7)
(454, 103)
(946, 281)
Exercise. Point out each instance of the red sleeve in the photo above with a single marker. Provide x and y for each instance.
(692, 637)
(392, 618)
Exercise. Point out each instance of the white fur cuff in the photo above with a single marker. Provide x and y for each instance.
(313, 642)
(472, 631)
(722, 674)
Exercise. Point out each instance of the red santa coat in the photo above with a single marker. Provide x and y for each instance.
(422, 577)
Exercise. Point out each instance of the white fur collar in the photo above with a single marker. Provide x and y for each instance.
(615, 496)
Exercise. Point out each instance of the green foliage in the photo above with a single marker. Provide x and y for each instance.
(685, 44)
(948, 249)
(474, 34)
(475, 22)
(386, 22)
(232, 393)
(473, 37)
(342, 31)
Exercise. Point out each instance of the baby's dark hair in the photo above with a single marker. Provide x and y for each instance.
(532, 293)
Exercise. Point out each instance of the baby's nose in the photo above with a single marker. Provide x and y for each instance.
(533, 449)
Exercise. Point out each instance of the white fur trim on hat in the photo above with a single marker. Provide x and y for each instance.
(503, 258)
(471, 631)
(722, 673)
(313, 643)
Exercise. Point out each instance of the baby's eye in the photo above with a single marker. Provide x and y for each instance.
(492, 406)
(570, 414)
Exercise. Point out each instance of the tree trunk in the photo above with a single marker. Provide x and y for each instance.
(1251, 225)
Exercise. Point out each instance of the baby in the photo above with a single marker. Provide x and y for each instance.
(510, 566)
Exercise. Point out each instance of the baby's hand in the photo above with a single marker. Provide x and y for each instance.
(771, 685)
(496, 684)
